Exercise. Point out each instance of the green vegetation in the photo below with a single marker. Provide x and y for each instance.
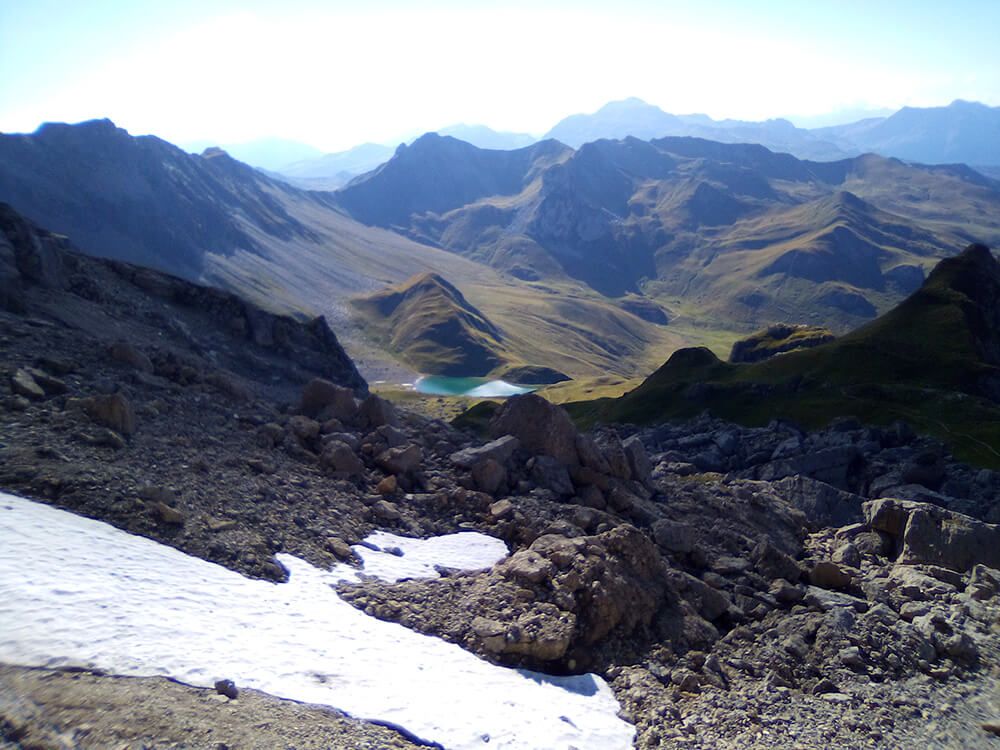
(778, 339)
(932, 361)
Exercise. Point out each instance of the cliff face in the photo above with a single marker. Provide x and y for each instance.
(41, 272)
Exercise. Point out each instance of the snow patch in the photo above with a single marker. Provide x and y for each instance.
(78, 592)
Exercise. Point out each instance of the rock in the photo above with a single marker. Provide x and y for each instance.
(785, 592)
(500, 450)
(375, 412)
(23, 384)
(984, 583)
(993, 726)
(114, 411)
(707, 601)
(270, 434)
(929, 534)
(542, 427)
(51, 385)
(847, 554)
(168, 515)
(227, 688)
(527, 565)
(489, 475)
(592, 497)
(674, 536)
(126, 354)
(501, 509)
(823, 505)
(401, 459)
(639, 464)
(851, 658)
(338, 457)
(927, 469)
(830, 465)
(339, 547)
(550, 473)
(386, 511)
(543, 634)
(388, 485)
(590, 455)
(828, 575)
(830, 600)
(614, 454)
(772, 563)
(325, 400)
(304, 428)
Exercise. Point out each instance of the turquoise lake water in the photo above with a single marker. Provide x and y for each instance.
(440, 385)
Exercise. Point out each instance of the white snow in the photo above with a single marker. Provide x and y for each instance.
(421, 558)
(77, 592)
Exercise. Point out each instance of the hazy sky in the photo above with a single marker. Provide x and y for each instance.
(335, 74)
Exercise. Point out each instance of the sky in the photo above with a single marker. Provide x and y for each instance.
(335, 74)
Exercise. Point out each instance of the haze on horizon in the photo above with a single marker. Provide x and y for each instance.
(336, 74)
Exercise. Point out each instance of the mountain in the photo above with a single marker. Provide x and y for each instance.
(732, 232)
(433, 327)
(962, 132)
(265, 153)
(934, 361)
(482, 136)
(634, 117)
(211, 219)
(331, 171)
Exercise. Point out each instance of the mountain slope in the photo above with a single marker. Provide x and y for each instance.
(433, 328)
(934, 361)
(962, 132)
(731, 231)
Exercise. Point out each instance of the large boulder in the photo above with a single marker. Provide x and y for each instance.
(542, 427)
(929, 534)
(321, 398)
(500, 450)
(823, 504)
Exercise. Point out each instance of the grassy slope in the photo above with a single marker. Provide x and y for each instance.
(919, 362)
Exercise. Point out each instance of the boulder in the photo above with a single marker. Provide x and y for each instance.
(375, 412)
(339, 458)
(550, 473)
(321, 398)
(489, 475)
(23, 384)
(499, 450)
(674, 536)
(826, 574)
(590, 455)
(931, 535)
(823, 505)
(114, 411)
(126, 354)
(542, 427)
(401, 459)
(614, 454)
(304, 428)
(832, 465)
(772, 563)
(640, 467)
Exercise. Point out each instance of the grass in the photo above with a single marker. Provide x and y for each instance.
(920, 362)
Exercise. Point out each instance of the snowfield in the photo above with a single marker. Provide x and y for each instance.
(78, 592)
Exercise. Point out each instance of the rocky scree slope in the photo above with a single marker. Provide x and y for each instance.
(723, 608)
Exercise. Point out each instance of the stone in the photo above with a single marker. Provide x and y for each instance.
(393, 436)
(830, 465)
(125, 353)
(338, 457)
(51, 385)
(500, 450)
(984, 583)
(614, 454)
(386, 511)
(527, 565)
(828, 575)
(168, 514)
(387, 486)
(785, 592)
(851, 658)
(542, 427)
(848, 555)
(772, 563)
(322, 398)
(227, 688)
(489, 475)
(551, 473)
(23, 384)
(304, 428)
(400, 460)
(501, 510)
(640, 467)
(339, 547)
(932, 535)
(375, 412)
(673, 536)
(590, 455)
(592, 497)
(824, 506)
(830, 600)
(114, 411)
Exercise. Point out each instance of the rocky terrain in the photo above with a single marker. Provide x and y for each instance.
(738, 587)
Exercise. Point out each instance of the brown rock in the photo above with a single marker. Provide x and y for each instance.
(542, 427)
(114, 411)
(375, 412)
(489, 475)
(388, 486)
(501, 509)
(338, 457)
(168, 515)
(126, 354)
(321, 398)
(400, 460)
(500, 450)
(304, 428)
(386, 511)
(826, 574)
